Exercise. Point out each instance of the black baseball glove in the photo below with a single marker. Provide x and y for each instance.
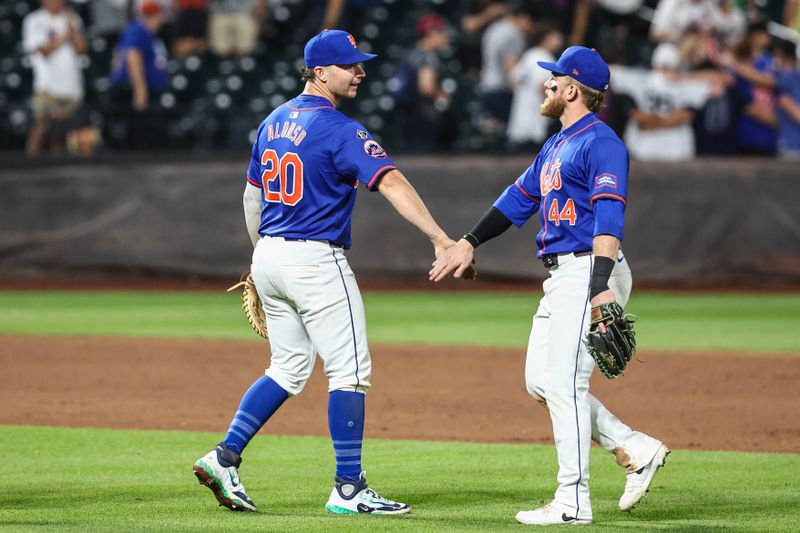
(613, 348)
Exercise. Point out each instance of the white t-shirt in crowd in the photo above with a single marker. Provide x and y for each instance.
(673, 17)
(59, 73)
(525, 122)
(654, 92)
(501, 39)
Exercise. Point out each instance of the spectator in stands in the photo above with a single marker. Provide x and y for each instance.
(483, 14)
(53, 36)
(478, 15)
(751, 63)
(660, 127)
(139, 76)
(527, 127)
(501, 46)
(416, 88)
(788, 86)
(715, 124)
(108, 18)
(320, 15)
(570, 16)
(189, 27)
(729, 22)
(234, 26)
(673, 18)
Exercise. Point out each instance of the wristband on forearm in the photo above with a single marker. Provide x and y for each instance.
(493, 223)
(600, 274)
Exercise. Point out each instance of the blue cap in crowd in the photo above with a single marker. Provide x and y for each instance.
(333, 47)
(582, 64)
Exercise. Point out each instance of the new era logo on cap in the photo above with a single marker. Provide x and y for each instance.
(583, 64)
(333, 47)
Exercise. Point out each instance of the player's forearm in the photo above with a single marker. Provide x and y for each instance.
(605, 246)
(252, 211)
(404, 198)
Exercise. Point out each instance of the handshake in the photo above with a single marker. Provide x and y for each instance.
(452, 256)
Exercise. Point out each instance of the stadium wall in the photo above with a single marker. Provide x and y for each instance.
(709, 221)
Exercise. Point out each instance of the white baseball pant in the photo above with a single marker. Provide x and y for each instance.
(313, 306)
(557, 371)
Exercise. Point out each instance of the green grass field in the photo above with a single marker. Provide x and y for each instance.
(110, 480)
(103, 480)
(731, 321)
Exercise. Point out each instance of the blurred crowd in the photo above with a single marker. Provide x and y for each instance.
(688, 76)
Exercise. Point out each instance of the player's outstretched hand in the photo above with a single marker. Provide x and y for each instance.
(458, 258)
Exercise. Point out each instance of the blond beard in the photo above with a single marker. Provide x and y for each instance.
(553, 108)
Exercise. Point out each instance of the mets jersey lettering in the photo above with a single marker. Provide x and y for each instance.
(577, 168)
(308, 159)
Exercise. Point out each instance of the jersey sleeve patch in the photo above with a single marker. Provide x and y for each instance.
(605, 180)
(373, 149)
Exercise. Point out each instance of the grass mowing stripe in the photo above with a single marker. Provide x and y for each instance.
(113, 480)
(730, 321)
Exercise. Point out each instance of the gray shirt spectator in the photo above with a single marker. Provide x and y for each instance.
(501, 47)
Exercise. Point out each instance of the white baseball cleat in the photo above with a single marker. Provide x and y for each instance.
(550, 515)
(639, 482)
(353, 497)
(223, 481)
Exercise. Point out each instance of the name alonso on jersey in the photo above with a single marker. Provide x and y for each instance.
(287, 130)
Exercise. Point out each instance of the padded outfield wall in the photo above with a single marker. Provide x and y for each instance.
(709, 221)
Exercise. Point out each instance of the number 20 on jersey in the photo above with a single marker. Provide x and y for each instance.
(289, 188)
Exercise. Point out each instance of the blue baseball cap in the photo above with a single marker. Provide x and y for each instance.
(333, 47)
(582, 64)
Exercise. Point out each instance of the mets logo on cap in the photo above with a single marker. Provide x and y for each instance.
(352, 41)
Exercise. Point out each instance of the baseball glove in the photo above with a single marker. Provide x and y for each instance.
(251, 304)
(613, 348)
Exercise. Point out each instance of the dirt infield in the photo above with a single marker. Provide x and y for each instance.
(691, 401)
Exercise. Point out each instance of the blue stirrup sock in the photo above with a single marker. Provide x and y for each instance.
(259, 403)
(346, 422)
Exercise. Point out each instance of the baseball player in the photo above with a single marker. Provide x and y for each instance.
(307, 164)
(578, 183)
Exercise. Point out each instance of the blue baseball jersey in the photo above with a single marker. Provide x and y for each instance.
(579, 185)
(308, 160)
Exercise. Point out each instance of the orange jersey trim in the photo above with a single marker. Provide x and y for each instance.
(607, 195)
(253, 182)
(380, 172)
(528, 196)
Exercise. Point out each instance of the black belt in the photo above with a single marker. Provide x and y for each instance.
(551, 260)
